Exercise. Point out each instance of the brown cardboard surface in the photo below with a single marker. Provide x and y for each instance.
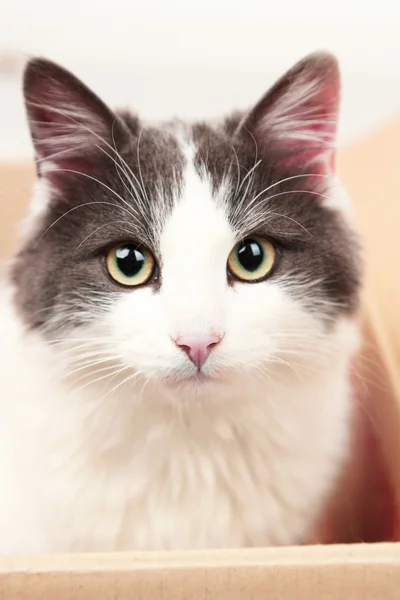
(370, 170)
(367, 572)
(15, 188)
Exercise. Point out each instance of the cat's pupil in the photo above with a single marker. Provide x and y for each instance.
(250, 255)
(129, 260)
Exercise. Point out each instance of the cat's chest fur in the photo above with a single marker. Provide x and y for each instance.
(248, 468)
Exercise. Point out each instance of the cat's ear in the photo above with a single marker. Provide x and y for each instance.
(69, 124)
(296, 121)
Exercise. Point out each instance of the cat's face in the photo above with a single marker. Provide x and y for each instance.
(188, 254)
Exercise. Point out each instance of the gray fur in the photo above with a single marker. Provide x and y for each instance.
(64, 259)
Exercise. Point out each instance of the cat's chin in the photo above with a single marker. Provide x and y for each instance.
(197, 380)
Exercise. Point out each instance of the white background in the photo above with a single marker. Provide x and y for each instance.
(199, 59)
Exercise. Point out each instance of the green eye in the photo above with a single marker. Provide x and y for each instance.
(130, 265)
(251, 260)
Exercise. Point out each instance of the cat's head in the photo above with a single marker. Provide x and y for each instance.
(188, 253)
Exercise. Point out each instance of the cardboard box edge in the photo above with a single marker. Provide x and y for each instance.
(349, 554)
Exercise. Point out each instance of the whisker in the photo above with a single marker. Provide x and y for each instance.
(238, 171)
(102, 227)
(286, 193)
(76, 208)
(73, 125)
(139, 167)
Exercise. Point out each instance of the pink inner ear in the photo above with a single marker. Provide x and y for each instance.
(311, 130)
(299, 120)
(64, 143)
(69, 124)
(70, 168)
(66, 133)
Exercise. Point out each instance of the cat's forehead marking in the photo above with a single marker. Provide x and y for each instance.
(194, 247)
(198, 216)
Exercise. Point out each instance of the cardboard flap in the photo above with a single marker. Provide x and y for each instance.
(370, 169)
(366, 572)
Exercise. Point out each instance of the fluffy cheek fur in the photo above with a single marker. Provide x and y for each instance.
(267, 334)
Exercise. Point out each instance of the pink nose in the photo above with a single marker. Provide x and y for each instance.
(198, 347)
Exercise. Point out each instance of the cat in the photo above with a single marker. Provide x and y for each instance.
(178, 323)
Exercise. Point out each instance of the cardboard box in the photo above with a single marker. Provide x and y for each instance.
(368, 511)
(368, 572)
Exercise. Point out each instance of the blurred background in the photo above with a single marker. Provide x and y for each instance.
(200, 58)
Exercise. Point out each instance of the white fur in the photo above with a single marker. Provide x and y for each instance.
(338, 199)
(159, 461)
(37, 207)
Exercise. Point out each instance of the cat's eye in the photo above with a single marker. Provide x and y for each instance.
(130, 265)
(252, 260)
